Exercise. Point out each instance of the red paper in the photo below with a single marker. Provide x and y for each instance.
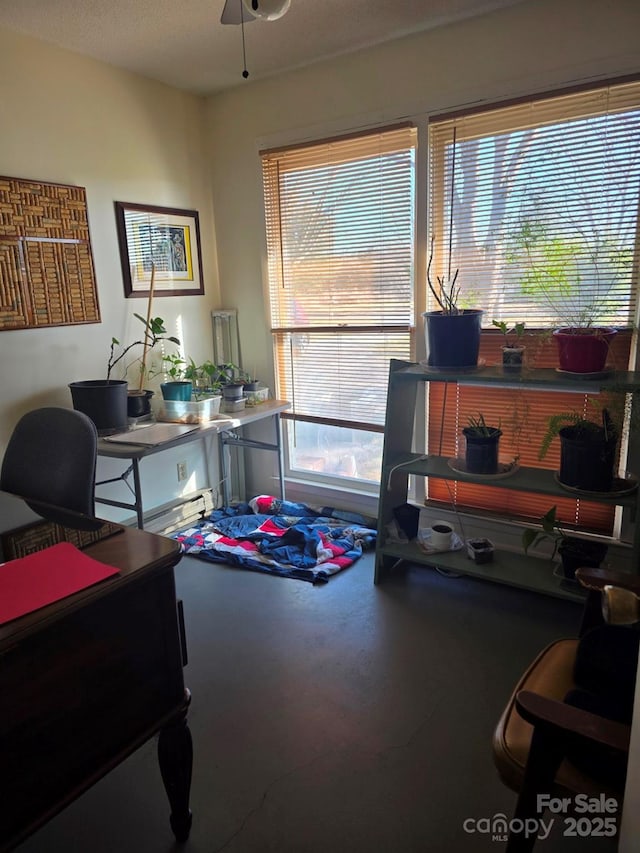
(32, 582)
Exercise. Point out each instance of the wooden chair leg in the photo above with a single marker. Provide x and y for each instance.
(545, 756)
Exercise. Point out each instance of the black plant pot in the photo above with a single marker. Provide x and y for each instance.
(104, 401)
(481, 455)
(452, 340)
(587, 459)
(576, 553)
(233, 391)
(139, 403)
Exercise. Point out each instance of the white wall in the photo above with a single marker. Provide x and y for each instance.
(71, 120)
(535, 46)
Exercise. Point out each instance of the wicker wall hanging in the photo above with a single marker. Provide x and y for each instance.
(46, 264)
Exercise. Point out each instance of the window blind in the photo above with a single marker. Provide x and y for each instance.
(340, 247)
(542, 213)
(539, 204)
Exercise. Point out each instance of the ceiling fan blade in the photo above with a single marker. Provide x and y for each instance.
(234, 12)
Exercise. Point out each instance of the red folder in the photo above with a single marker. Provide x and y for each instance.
(32, 582)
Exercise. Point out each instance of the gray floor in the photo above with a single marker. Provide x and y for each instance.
(344, 718)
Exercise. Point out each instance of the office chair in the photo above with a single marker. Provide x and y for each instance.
(539, 732)
(51, 462)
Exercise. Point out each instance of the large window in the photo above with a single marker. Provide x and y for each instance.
(340, 240)
(538, 205)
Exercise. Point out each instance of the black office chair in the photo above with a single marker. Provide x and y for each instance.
(51, 462)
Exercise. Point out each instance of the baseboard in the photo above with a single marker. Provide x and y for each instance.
(173, 517)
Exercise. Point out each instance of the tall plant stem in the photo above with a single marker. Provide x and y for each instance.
(453, 177)
(143, 366)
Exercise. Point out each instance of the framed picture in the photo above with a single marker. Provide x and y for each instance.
(166, 237)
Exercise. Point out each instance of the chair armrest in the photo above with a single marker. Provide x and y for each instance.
(599, 578)
(541, 711)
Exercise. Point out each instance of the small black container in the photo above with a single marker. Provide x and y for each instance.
(512, 359)
(480, 550)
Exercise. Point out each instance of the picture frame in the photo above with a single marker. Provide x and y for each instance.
(167, 237)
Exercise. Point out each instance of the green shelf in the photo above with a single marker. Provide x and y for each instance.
(507, 567)
(541, 378)
(539, 480)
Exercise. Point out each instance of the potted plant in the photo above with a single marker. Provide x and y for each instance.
(452, 333)
(512, 349)
(574, 278)
(206, 378)
(587, 450)
(481, 454)
(574, 551)
(105, 401)
(176, 386)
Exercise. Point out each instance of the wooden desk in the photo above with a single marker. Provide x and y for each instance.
(87, 680)
(225, 427)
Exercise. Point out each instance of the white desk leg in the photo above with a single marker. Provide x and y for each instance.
(225, 470)
(279, 452)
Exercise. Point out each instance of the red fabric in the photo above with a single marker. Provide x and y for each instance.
(32, 582)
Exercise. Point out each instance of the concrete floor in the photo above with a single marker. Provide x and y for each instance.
(343, 718)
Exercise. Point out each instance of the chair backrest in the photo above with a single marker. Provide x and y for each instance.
(51, 457)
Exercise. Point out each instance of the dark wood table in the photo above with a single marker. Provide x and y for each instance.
(87, 680)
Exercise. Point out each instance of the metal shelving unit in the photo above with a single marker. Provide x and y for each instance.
(398, 462)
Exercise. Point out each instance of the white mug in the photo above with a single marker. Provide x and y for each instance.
(441, 535)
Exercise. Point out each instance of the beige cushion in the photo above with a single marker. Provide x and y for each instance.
(550, 675)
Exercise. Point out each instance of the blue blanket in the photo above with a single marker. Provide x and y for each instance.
(280, 537)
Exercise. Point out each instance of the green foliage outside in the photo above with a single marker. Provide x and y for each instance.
(575, 277)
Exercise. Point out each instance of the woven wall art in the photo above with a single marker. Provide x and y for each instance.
(46, 264)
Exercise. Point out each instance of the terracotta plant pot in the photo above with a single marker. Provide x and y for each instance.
(583, 350)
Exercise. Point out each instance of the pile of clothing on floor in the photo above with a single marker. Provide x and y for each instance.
(279, 537)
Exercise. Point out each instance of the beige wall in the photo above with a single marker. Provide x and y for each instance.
(536, 46)
(68, 119)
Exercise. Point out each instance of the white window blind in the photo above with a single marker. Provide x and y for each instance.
(340, 241)
(542, 211)
(545, 207)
